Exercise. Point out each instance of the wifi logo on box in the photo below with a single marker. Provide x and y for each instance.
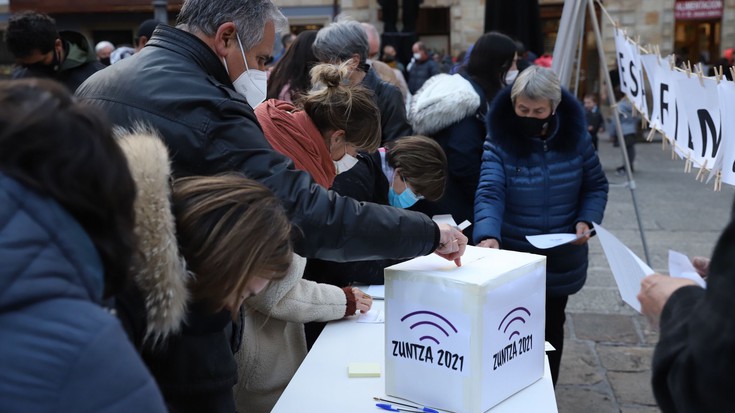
(514, 316)
(437, 324)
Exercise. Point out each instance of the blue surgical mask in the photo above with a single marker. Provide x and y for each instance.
(405, 199)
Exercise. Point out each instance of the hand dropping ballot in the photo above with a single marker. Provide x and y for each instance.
(629, 270)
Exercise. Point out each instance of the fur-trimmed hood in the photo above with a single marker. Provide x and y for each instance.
(442, 101)
(567, 125)
(159, 271)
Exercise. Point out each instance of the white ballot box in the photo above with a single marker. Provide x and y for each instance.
(464, 338)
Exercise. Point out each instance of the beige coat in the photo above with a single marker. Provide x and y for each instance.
(273, 341)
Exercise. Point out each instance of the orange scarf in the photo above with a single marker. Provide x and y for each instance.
(293, 134)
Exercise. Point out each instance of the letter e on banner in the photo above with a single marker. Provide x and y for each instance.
(623, 58)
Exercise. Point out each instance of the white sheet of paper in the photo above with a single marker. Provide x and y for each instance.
(680, 266)
(546, 241)
(626, 267)
(448, 219)
(372, 316)
(375, 291)
(548, 346)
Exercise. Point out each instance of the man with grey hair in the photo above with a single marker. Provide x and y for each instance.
(196, 84)
(103, 50)
(346, 40)
(386, 73)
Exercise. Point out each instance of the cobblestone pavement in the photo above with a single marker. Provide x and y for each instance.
(607, 356)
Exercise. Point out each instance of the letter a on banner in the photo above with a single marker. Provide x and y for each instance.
(700, 100)
(726, 161)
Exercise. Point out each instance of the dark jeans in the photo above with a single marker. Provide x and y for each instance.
(630, 147)
(555, 318)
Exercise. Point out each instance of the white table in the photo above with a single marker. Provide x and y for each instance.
(321, 384)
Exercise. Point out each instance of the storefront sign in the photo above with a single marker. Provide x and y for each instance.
(698, 9)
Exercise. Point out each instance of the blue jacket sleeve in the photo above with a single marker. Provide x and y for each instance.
(490, 196)
(112, 378)
(594, 186)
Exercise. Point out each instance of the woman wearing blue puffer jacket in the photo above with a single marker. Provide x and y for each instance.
(540, 174)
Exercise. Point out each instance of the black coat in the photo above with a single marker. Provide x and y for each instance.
(393, 122)
(695, 355)
(364, 182)
(462, 143)
(177, 85)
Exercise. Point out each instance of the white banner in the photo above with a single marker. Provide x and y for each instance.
(726, 162)
(686, 108)
(630, 70)
(652, 64)
(702, 109)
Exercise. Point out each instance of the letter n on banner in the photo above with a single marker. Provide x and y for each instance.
(726, 162)
(700, 100)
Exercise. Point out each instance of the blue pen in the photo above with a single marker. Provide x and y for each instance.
(390, 407)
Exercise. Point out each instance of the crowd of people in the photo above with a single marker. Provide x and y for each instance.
(184, 259)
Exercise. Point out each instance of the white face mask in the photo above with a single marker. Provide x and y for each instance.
(510, 77)
(417, 56)
(252, 83)
(345, 164)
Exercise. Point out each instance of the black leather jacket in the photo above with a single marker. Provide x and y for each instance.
(177, 85)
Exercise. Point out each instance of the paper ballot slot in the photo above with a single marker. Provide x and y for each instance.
(464, 338)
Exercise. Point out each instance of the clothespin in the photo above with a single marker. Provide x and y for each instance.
(688, 65)
(657, 50)
(701, 174)
(688, 163)
(673, 151)
(663, 142)
(718, 74)
(732, 71)
(649, 138)
(700, 74)
(718, 181)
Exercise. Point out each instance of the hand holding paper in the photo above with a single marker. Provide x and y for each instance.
(546, 241)
(644, 292)
(655, 292)
(626, 267)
